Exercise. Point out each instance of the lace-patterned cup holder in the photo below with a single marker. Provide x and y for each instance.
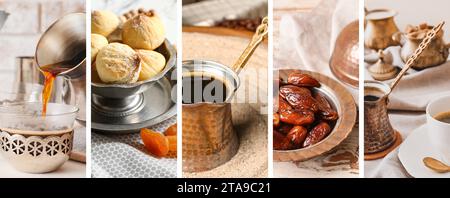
(36, 154)
(37, 151)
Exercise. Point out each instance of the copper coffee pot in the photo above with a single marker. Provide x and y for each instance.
(60, 42)
(209, 139)
(379, 134)
(379, 28)
(436, 54)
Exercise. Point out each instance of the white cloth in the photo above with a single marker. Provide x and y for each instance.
(390, 166)
(124, 156)
(307, 39)
(417, 88)
(407, 108)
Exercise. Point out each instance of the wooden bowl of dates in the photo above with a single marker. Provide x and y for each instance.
(312, 114)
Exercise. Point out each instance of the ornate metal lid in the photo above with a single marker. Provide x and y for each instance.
(344, 62)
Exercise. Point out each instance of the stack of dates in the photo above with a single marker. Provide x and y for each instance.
(302, 116)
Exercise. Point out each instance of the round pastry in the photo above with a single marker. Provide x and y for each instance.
(144, 31)
(97, 42)
(152, 63)
(104, 22)
(118, 63)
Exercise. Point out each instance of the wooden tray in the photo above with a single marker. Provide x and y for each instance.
(220, 31)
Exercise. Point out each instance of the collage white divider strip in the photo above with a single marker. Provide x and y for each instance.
(269, 91)
(179, 89)
(361, 89)
(88, 90)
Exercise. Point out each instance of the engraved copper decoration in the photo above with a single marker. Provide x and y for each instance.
(378, 132)
(344, 62)
(436, 54)
(209, 139)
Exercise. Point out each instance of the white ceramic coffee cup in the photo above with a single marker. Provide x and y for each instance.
(439, 132)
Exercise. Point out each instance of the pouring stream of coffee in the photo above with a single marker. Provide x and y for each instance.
(51, 71)
(423, 45)
(257, 38)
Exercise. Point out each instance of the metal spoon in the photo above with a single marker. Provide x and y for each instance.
(436, 165)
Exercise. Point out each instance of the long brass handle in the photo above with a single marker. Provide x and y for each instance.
(257, 38)
(423, 45)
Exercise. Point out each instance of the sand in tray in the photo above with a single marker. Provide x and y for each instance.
(250, 125)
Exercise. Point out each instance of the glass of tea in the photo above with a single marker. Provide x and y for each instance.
(34, 143)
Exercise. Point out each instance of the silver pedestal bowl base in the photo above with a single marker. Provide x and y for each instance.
(135, 112)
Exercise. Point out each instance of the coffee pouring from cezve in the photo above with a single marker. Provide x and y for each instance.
(209, 139)
(379, 134)
(61, 51)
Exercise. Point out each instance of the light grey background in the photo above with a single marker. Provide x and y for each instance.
(166, 9)
(416, 11)
(26, 23)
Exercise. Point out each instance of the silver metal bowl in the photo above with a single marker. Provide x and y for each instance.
(120, 91)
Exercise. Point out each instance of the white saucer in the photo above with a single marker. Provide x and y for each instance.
(417, 146)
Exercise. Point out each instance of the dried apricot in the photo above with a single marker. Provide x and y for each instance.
(172, 130)
(156, 143)
(172, 143)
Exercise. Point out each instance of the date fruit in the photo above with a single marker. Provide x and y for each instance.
(302, 102)
(299, 97)
(289, 89)
(317, 134)
(297, 117)
(302, 115)
(302, 80)
(284, 128)
(326, 112)
(276, 119)
(280, 142)
(283, 105)
(297, 136)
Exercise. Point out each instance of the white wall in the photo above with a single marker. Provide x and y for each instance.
(28, 19)
(416, 11)
(166, 9)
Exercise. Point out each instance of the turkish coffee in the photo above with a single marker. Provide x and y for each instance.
(202, 88)
(50, 72)
(371, 98)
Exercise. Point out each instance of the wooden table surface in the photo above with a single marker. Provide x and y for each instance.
(343, 160)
